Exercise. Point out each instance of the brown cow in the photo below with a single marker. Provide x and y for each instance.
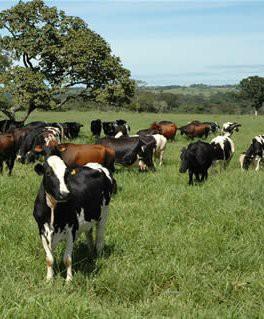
(7, 151)
(165, 128)
(195, 130)
(81, 154)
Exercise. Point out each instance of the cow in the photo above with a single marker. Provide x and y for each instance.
(165, 128)
(192, 130)
(148, 131)
(80, 154)
(224, 149)
(229, 128)
(160, 146)
(72, 129)
(214, 127)
(69, 202)
(9, 125)
(253, 162)
(197, 159)
(44, 136)
(129, 150)
(96, 127)
(255, 153)
(7, 151)
(113, 128)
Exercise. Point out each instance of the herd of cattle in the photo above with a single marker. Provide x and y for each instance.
(78, 180)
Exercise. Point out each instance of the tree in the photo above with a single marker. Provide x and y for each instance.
(252, 89)
(51, 53)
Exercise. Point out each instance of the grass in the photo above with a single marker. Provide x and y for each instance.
(171, 250)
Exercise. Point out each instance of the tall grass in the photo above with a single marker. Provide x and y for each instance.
(171, 250)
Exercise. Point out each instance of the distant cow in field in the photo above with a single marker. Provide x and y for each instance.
(214, 127)
(192, 130)
(119, 127)
(96, 127)
(69, 202)
(197, 159)
(229, 128)
(165, 128)
(132, 150)
(224, 149)
(255, 153)
(72, 129)
(161, 142)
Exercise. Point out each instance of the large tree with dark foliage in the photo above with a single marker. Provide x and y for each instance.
(252, 89)
(51, 53)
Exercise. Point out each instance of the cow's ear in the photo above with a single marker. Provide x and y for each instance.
(38, 149)
(39, 169)
(61, 148)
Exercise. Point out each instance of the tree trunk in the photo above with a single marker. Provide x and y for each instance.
(256, 111)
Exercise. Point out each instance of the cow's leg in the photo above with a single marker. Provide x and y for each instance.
(161, 157)
(10, 164)
(68, 255)
(197, 178)
(46, 238)
(1, 167)
(257, 161)
(100, 229)
(190, 177)
(90, 241)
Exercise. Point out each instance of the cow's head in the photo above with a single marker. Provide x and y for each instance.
(145, 153)
(109, 128)
(54, 173)
(184, 161)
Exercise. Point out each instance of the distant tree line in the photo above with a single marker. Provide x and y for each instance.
(51, 61)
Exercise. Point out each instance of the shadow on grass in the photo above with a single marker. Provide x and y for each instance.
(85, 261)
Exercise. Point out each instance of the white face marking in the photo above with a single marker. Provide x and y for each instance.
(59, 168)
(100, 168)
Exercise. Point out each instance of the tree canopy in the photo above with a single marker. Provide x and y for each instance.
(52, 52)
(252, 89)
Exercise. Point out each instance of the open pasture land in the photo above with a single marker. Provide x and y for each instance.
(171, 250)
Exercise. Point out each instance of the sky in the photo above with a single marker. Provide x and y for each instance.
(178, 42)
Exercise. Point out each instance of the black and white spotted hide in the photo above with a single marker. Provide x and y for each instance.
(255, 153)
(70, 202)
(224, 149)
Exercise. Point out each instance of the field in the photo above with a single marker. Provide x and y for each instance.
(171, 250)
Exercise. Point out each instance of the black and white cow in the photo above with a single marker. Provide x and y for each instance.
(229, 128)
(116, 128)
(197, 159)
(160, 145)
(255, 153)
(129, 151)
(44, 136)
(68, 203)
(224, 149)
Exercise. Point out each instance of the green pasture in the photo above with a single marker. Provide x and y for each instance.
(172, 251)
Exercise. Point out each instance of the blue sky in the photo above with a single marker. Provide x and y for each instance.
(178, 42)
